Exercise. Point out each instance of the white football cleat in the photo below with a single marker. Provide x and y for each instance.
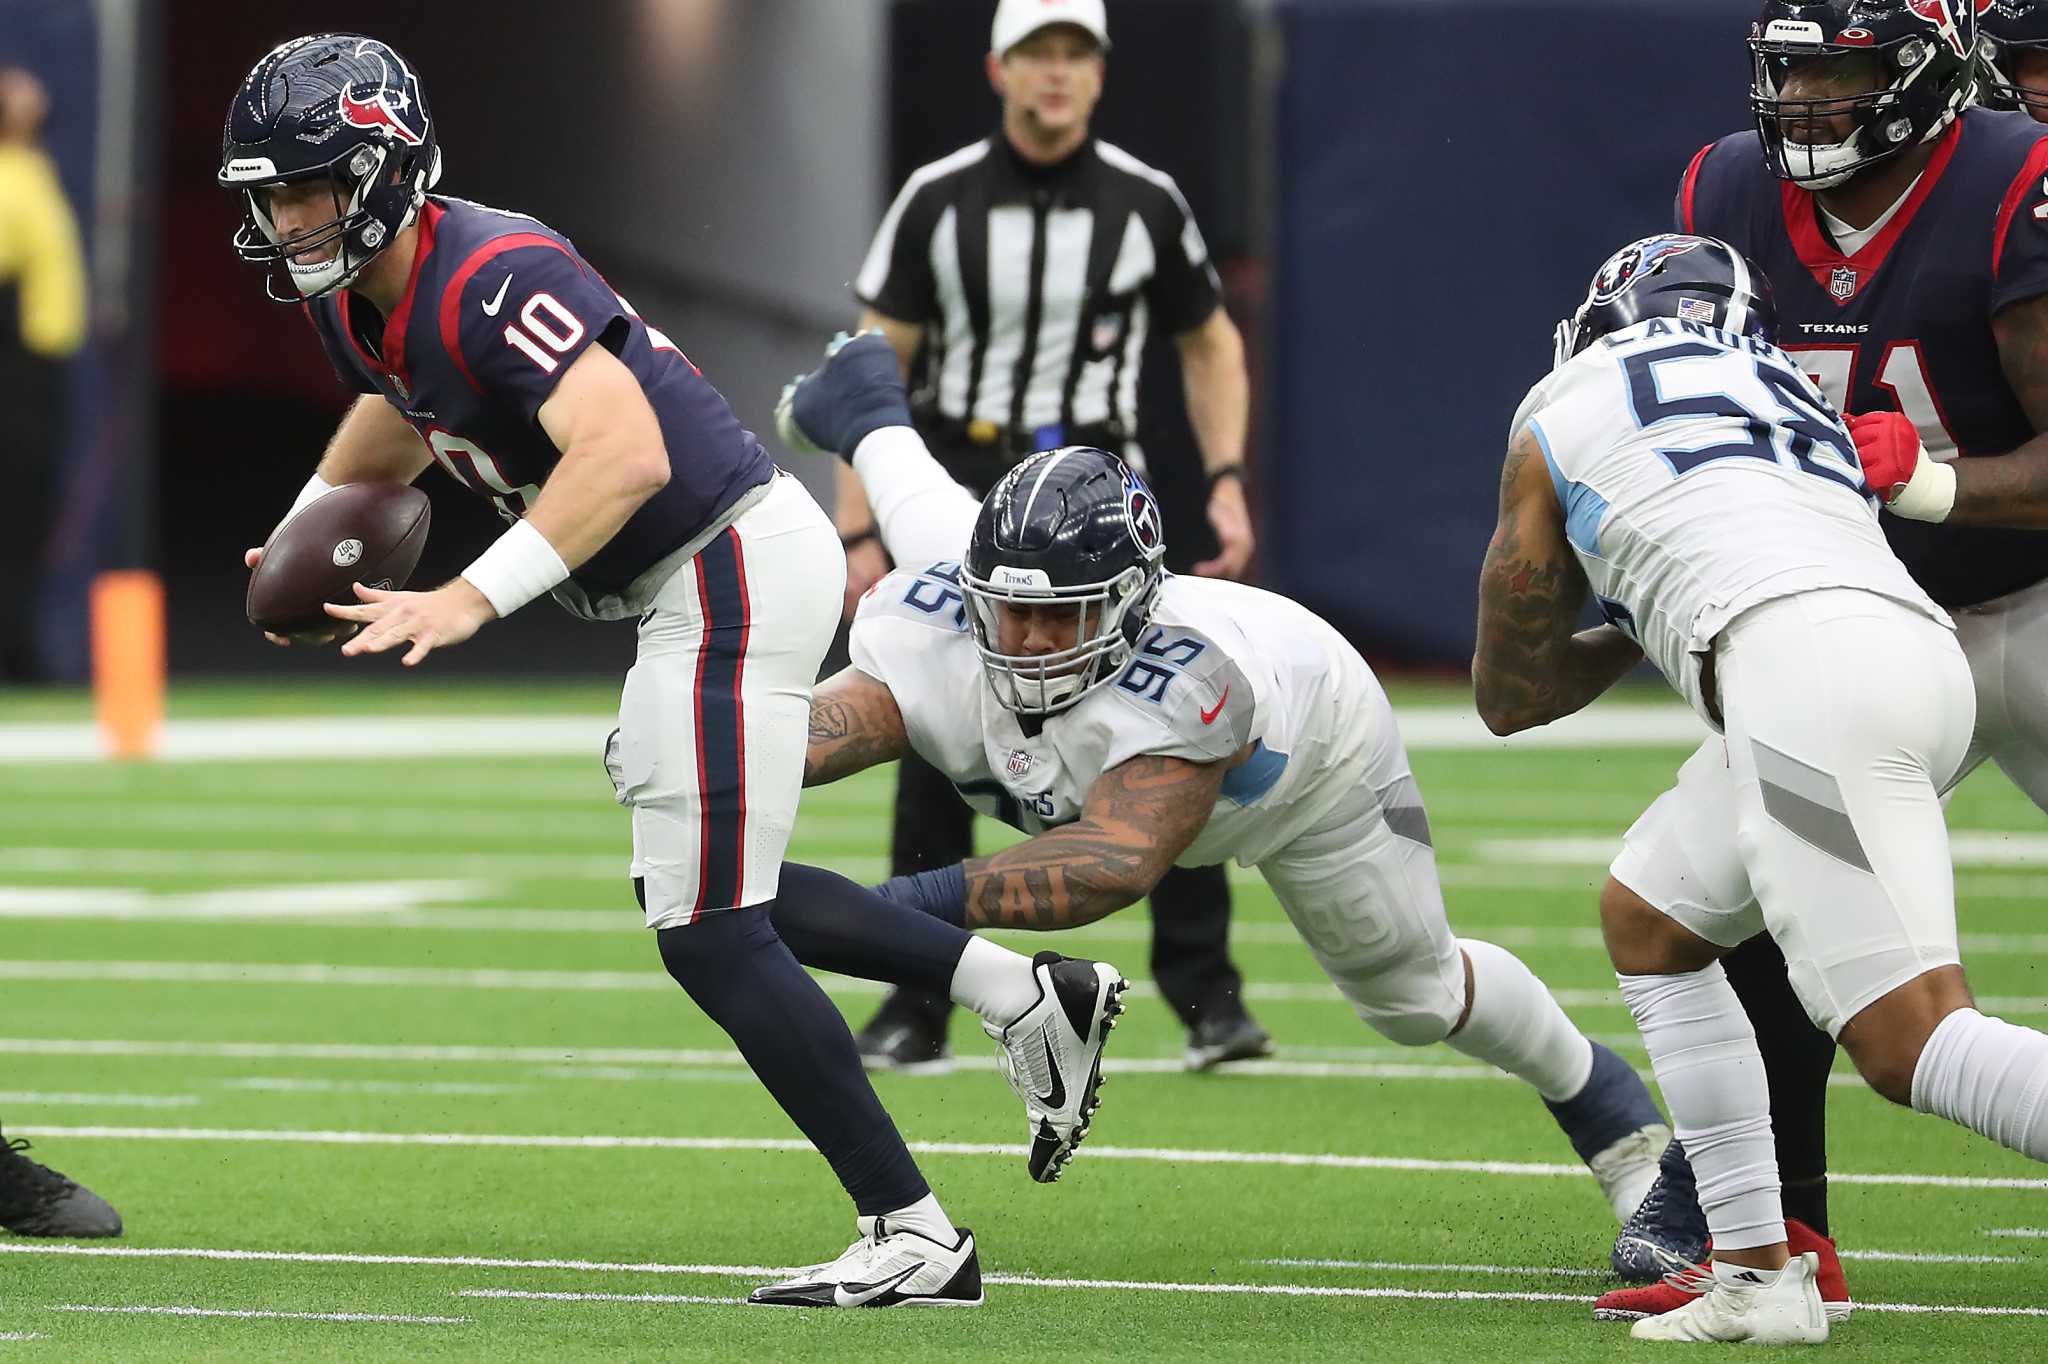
(1052, 1054)
(1785, 1311)
(886, 1267)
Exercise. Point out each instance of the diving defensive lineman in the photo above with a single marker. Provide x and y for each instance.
(1130, 720)
(1677, 468)
(1905, 235)
(481, 340)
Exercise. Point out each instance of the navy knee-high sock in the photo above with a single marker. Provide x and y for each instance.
(747, 981)
(838, 925)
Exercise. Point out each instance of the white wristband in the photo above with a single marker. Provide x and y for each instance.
(518, 567)
(316, 488)
(1930, 494)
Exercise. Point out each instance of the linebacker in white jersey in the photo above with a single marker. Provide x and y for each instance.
(1131, 720)
(1680, 470)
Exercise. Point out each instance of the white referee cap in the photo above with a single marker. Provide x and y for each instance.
(1017, 20)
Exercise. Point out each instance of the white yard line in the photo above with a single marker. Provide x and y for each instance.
(269, 1084)
(90, 1100)
(1157, 1154)
(1967, 848)
(22, 1335)
(495, 978)
(289, 903)
(535, 1295)
(1398, 1267)
(2021, 1233)
(254, 1314)
(451, 978)
(758, 1271)
(363, 737)
(1917, 1257)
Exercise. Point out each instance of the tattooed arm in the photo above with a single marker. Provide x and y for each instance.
(1531, 668)
(854, 725)
(1139, 816)
(2012, 490)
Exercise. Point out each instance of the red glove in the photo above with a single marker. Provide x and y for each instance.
(1889, 447)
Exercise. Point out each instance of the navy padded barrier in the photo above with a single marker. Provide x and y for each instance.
(1450, 176)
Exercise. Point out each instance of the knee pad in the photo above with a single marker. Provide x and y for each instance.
(1409, 1029)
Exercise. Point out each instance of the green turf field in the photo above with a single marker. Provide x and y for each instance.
(376, 1061)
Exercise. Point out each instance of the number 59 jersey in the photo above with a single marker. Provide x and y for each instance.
(1221, 669)
(498, 307)
(1701, 474)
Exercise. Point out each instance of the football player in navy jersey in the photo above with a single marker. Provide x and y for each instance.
(482, 341)
(1905, 234)
(2016, 53)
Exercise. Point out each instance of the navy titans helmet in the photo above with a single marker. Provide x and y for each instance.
(1688, 279)
(1068, 528)
(339, 108)
(1923, 58)
(2010, 28)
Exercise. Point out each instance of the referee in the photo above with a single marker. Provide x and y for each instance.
(1024, 271)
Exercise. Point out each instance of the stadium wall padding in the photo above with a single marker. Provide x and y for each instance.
(1450, 176)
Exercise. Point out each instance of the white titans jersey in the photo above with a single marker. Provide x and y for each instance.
(1701, 474)
(1221, 667)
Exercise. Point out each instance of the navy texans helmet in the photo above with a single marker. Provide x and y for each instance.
(2011, 28)
(1068, 528)
(1688, 279)
(1907, 67)
(339, 108)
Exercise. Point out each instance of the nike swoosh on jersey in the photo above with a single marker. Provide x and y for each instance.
(861, 1294)
(1209, 716)
(497, 301)
(1057, 1097)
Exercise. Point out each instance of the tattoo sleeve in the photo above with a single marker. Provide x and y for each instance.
(2012, 490)
(1530, 667)
(1139, 816)
(855, 724)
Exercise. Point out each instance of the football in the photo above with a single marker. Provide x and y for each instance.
(368, 533)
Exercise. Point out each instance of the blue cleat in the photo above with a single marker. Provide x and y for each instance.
(1616, 1128)
(1669, 1231)
(857, 391)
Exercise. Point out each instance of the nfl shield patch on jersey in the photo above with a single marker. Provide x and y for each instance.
(1842, 283)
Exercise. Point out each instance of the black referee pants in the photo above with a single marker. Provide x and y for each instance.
(32, 396)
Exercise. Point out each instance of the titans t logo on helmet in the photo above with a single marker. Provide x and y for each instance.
(1625, 265)
(1143, 513)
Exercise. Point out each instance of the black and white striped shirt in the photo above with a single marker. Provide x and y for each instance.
(1036, 284)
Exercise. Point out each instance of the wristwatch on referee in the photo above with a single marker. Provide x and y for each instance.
(1217, 476)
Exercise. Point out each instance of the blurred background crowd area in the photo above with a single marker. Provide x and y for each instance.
(1401, 195)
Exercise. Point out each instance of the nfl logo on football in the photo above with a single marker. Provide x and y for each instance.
(1842, 284)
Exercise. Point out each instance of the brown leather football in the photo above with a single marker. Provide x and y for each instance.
(368, 533)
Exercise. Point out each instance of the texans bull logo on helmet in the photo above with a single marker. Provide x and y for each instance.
(388, 106)
(1942, 15)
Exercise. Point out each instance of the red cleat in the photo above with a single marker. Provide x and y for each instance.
(1682, 1285)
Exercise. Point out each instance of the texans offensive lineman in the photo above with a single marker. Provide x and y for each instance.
(482, 341)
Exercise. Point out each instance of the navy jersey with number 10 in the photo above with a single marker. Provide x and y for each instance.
(1905, 323)
(497, 309)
